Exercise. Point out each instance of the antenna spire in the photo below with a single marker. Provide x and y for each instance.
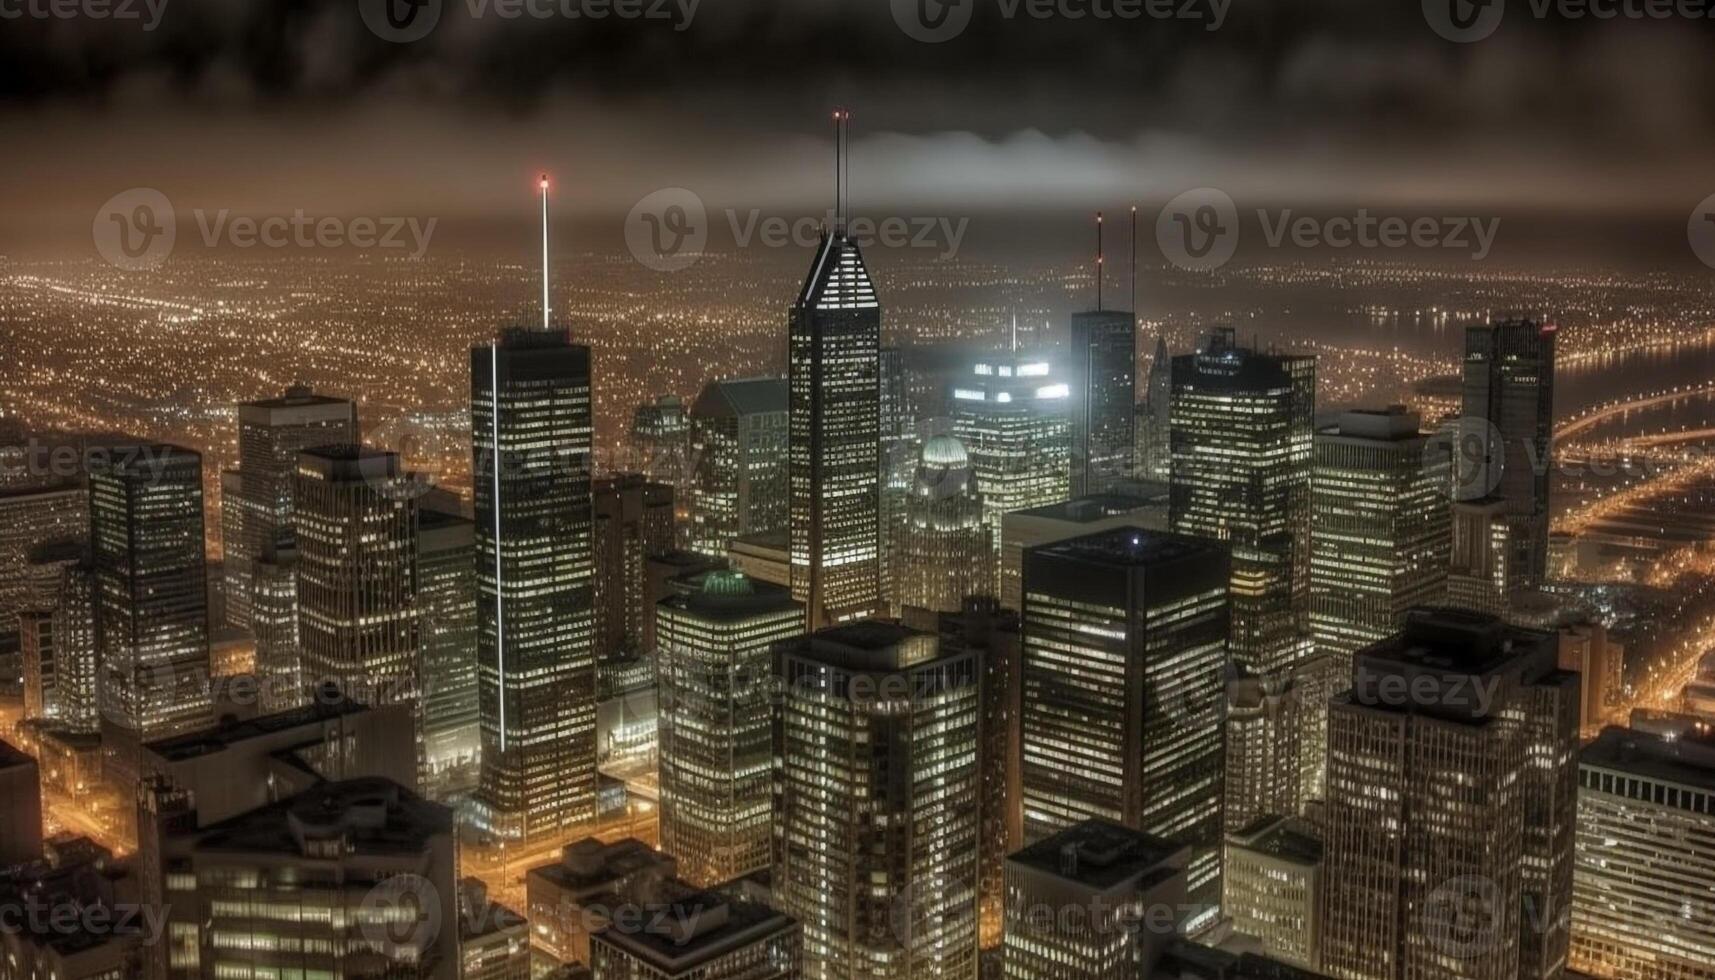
(1134, 262)
(840, 165)
(544, 185)
(1015, 331)
(1098, 261)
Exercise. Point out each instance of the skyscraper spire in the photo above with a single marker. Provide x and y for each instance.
(544, 185)
(1134, 260)
(1098, 260)
(840, 188)
(1015, 331)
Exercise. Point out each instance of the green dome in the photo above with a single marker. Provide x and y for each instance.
(725, 582)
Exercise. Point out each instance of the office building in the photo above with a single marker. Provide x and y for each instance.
(151, 599)
(715, 665)
(1154, 418)
(1101, 377)
(633, 523)
(1096, 901)
(355, 523)
(256, 498)
(1265, 721)
(1241, 437)
(661, 441)
(1509, 405)
(57, 640)
(536, 673)
(1063, 519)
(943, 550)
(32, 516)
(834, 453)
(1012, 414)
(702, 935)
(494, 941)
(739, 454)
(346, 879)
(1271, 887)
(1641, 900)
(877, 823)
(576, 896)
(72, 880)
(278, 663)
(446, 613)
(1451, 793)
(1122, 678)
(1380, 531)
(20, 807)
(993, 634)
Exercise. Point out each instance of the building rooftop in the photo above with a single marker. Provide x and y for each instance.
(590, 865)
(1089, 509)
(1129, 546)
(1283, 837)
(678, 936)
(741, 396)
(370, 815)
(1682, 753)
(728, 596)
(1099, 854)
(1391, 424)
(297, 396)
(1450, 663)
(867, 645)
(233, 731)
(12, 757)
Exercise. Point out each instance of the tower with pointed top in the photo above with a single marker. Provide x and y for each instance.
(531, 424)
(834, 452)
(1101, 364)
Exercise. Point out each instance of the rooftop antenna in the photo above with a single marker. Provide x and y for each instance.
(1098, 261)
(544, 185)
(1134, 261)
(840, 118)
(1015, 331)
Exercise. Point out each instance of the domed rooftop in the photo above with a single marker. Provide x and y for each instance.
(945, 451)
(724, 582)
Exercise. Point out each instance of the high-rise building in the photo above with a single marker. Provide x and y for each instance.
(738, 451)
(1264, 729)
(707, 935)
(1641, 901)
(983, 626)
(1021, 530)
(20, 808)
(661, 440)
(1380, 531)
(578, 895)
(835, 437)
(1096, 901)
(280, 682)
(256, 499)
(494, 941)
(151, 599)
(877, 822)
(1509, 404)
(1154, 418)
(1448, 823)
(715, 665)
(943, 551)
(336, 881)
(355, 522)
(31, 516)
(446, 609)
(896, 420)
(1122, 677)
(531, 433)
(1241, 437)
(1272, 887)
(1011, 412)
(58, 641)
(1101, 375)
(633, 523)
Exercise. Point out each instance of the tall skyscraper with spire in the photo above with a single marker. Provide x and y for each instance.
(834, 453)
(531, 424)
(1102, 369)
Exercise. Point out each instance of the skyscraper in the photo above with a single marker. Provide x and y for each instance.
(707, 935)
(1448, 825)
(355, 523)
(715, 668)
(1101, 372)
(739, 452)
(1124, 658)
(151, 598)
(633, 523)
(1641, 903)
(1096, 901)
(31, 516)
(531, 435)
(1241, 438)
(1011, 412)
(256, 506)
(1379, 527)
(1155, 411)
(943, 551)
(835, 450)
(877, 822)
(446, 608)
(1509, 402)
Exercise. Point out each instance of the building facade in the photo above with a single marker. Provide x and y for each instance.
(739, 461)
(1012, 414)
(943, 550)
(1101, 375)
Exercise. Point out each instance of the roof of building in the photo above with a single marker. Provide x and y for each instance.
(678, 936)
(1283, 837)
(1089, 509)
(1100, 854)
(373, 815)
(1129, 546)
(867, 645)
(1683, 754)
(741, 396)
(235, 730)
